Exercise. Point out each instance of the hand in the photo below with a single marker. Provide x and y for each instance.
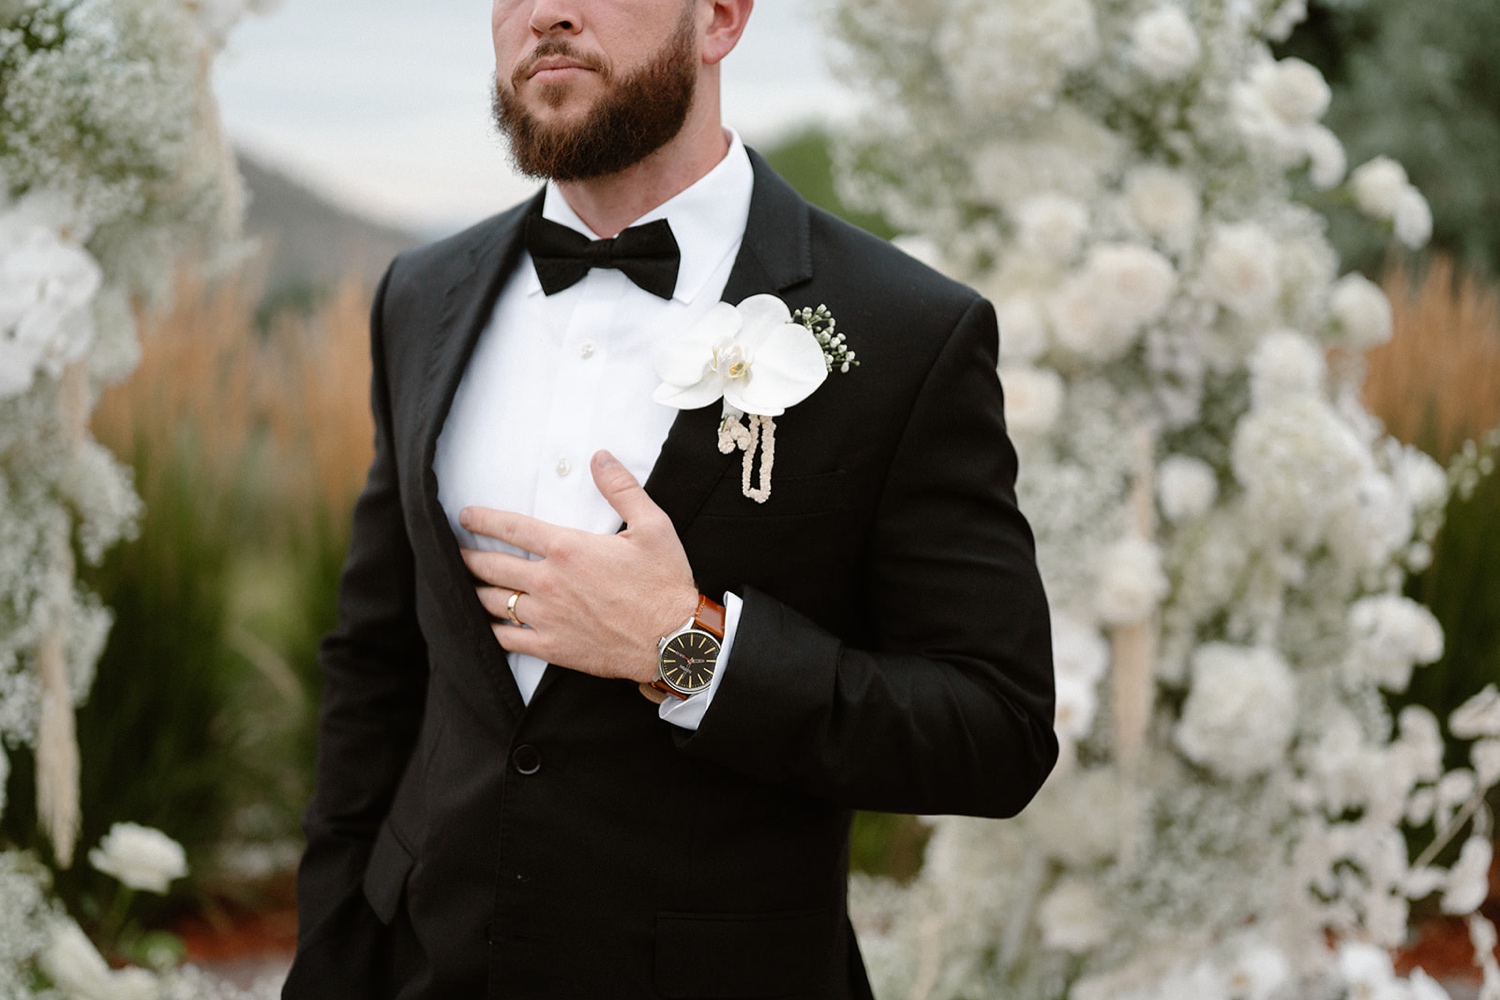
(593, 603)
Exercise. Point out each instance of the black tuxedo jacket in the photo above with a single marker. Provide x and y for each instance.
(893, 654)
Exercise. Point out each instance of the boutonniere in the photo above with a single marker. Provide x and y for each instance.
(760, 358)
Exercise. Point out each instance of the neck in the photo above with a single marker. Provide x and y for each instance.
(609, 204)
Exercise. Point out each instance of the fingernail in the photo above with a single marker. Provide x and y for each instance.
(465, 518)
(605, 459)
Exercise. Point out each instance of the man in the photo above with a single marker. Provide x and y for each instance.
(500, 812)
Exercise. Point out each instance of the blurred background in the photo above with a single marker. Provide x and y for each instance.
(364, 129)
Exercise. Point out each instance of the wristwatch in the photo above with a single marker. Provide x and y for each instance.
(686, 659)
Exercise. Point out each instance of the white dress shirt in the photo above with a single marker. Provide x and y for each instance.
(555, 378)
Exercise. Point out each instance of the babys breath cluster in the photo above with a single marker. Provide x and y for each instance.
(112, 166)
(1224, 532)
(824, 327)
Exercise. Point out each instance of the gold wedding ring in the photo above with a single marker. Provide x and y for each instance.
(510, 608)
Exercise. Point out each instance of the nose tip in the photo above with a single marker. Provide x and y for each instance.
(543, 23)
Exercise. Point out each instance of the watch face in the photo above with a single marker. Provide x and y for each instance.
(687, 661)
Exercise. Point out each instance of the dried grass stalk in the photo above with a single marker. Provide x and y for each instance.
(285, 414)
(1436, 383)
(315, 396)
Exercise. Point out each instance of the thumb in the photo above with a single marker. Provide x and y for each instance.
(621, 490)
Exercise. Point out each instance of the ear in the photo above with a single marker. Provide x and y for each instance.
(727, 20)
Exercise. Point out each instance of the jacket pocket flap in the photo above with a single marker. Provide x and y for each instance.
(385, 876)
(710, 955)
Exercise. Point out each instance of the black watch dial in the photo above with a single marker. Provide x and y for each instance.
(687, 661)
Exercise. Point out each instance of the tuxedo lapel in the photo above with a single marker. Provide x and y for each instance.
(775, 255)
(467, 306)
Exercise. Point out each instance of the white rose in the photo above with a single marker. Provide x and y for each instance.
(1327, 161)
(1294, 90)
(1033, 399)
(1133, 284)
(1285, 365)
(140, 857)
(1265, 131)
(1081, 326)
(1300, 465)
(1131, 582)
(1479, 716)
(1381, 523)
(1391, 634)
(1186, 487)
(1378, 186)
(1421, 479)
(1165, 202)
(1468, 883)
(1361, 312)
(1163, 44)
(1412, 219)
(1071, 917)
(1240, 269)
(1052, 225)
(1023, 330)
(1241, 710)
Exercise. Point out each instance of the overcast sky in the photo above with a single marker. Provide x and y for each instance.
(383, 105)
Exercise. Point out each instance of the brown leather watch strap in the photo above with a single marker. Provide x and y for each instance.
(710, 616)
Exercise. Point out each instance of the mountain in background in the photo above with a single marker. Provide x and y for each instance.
(308, 244)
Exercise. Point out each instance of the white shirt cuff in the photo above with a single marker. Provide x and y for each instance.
(687, 713)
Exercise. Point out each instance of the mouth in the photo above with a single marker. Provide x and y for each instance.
(550, 69)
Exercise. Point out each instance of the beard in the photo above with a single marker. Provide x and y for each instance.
(635, 116)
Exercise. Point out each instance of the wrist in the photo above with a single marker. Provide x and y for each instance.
(680, 608)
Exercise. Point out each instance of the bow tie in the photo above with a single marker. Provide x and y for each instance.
(647, 255)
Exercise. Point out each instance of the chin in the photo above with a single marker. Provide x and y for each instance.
(558, 102)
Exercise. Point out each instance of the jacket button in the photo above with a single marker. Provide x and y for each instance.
(527, 759)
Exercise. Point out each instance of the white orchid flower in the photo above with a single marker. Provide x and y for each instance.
(752, 355)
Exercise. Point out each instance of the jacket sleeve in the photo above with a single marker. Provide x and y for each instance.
(374, 668)
(951, 711)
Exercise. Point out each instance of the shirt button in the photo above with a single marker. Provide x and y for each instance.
(527, 759)
(586, 349)
(564, 467)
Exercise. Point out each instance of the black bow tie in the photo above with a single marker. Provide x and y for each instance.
(647, 255)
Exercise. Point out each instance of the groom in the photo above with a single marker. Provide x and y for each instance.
(559, 759)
